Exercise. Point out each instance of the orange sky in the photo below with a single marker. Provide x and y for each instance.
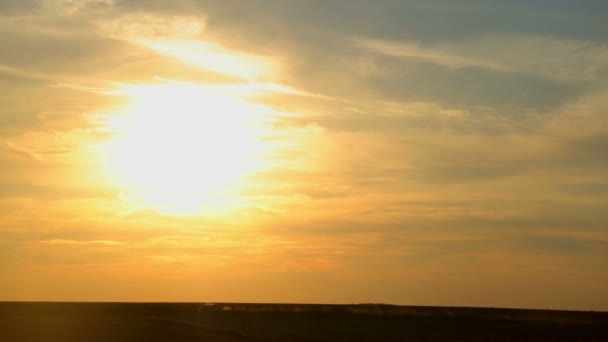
(402, 152)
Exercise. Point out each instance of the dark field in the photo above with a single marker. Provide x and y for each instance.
(290, 322)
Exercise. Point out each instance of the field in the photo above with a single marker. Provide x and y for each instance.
(290, 322)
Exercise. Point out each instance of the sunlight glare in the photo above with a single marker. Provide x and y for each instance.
(178, 145)
(210, 56)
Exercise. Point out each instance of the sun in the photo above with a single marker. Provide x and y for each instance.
(181, 147)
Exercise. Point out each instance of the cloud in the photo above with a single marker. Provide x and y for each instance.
(13, 71)
(417, 51)
(24, 151)
(8, 7)
(565, 245)
(582, 118)
(73, 6)
(562, 60)
(214, 57)
(151, 26)
(77, 242)
(181, 37)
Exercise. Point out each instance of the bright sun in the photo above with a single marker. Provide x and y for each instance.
(180, 147)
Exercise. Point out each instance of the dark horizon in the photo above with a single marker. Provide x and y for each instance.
(262, 322)
(287, 304)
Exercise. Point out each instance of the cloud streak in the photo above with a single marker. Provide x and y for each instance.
(557, 59)
(76, 242)
(416, 51)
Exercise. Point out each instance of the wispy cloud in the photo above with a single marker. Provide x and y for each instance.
(81, 242)
(71, 6)
(213, 57)
(19, 72)
(417, 51)
(181, 37)
(24, 151)
(151, 26)
(566, 60)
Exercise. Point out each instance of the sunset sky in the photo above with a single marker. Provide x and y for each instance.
(340, 151)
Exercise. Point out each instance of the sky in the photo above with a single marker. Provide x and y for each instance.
(446, 153)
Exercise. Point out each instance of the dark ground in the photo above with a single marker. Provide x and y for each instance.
(290, 322)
